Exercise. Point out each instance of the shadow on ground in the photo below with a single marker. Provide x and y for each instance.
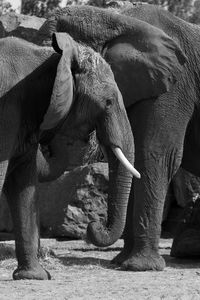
(97, 249)
(84, 261)
(105, 263)
(181, 263)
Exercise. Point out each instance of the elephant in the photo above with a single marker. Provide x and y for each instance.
(46, 90)
(154, 57)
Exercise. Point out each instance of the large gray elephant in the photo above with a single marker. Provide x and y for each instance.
(44, 92)
(155, 60)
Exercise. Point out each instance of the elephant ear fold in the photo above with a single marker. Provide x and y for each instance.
(62, 94)
(146, 64)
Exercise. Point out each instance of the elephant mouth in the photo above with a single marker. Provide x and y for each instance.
(122, 158)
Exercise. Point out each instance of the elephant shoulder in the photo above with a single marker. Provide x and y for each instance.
(18, 59)
(14, 48)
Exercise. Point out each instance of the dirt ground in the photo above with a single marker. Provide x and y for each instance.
(81, 271)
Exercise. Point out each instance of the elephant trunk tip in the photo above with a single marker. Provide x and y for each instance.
(100, 236)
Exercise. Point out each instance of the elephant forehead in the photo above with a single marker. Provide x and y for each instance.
(92, 61)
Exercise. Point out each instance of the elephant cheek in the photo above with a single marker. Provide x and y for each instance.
(75, 155)
(64, 157)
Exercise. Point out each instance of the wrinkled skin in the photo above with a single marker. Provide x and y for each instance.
(71, 92)
(155, 59)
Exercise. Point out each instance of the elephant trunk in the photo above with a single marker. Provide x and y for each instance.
(114, 132)
(120, 181)
(120, 159)
(64, 157)
(49, 168)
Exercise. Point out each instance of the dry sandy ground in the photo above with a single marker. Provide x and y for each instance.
(80, 271)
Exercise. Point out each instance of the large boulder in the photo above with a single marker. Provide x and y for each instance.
(182, 190)
(19, 25)
(187, 238)
(186, 187)
(69, 203)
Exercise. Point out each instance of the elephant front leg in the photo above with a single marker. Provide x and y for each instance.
(144, 217)
(20, 189)
(158, 154)
(145, 224)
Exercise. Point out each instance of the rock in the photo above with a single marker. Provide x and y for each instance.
(186, 186)
(19, 25)
(187, 239)
(69, 203)
(183, 189)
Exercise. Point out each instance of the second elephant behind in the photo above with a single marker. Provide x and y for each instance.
(155, 59)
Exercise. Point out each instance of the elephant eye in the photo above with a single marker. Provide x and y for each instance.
(70, 141)
(109, 103)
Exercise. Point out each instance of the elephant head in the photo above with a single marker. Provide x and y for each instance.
(86, 97)
(146, 62)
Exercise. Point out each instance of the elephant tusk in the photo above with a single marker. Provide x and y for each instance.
(119, 154)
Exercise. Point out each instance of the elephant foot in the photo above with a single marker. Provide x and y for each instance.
(121, 257)
(36, 273)
(144, 262)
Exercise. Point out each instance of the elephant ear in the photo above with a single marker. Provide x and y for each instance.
(145, 64)
(62, 94)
